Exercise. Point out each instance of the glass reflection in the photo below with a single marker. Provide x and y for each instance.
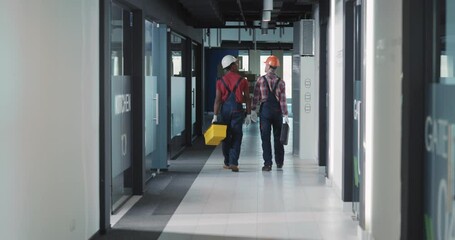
(178, 93)
(121, 170)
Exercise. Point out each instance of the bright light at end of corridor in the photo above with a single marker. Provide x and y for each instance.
(369, 105)
(331, 83)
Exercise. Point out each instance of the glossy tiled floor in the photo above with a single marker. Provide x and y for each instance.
(294, 203)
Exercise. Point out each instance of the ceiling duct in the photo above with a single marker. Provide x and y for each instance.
(216, 13)
(268, 5)
(203, 12)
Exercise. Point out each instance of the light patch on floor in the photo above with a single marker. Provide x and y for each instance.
(293, 203)
(124, 209)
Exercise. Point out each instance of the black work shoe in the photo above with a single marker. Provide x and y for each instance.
(267, 168)
(234, 168)
(279, 166)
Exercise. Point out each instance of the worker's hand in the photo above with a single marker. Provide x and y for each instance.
(248, 119)
(286, 119)
(254, 116)
(215, 119)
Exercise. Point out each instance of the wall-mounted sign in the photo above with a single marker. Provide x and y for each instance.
(122, 103)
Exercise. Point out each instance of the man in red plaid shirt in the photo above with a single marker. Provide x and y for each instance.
(270, 98)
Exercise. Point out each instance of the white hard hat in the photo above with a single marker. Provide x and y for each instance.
(227, 60)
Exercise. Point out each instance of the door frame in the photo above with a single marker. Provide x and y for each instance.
(176, 148)
(324, 16)
(417, 70)
(198, 98)
(348, 163)
(137, 114)
(105, 113)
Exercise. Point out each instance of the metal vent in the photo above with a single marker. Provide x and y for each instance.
(308, 37)
(304, 37)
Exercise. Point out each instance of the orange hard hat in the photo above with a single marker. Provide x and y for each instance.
(272, 61)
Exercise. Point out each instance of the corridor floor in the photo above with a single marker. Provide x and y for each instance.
(292, 203)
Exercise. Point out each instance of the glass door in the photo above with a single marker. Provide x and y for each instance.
(193, 90)
(178, 94)
(358, 120)
(439, 208)
(152, 100)
(121, 106)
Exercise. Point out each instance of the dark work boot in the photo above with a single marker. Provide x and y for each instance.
(267, 168)
(234, 168)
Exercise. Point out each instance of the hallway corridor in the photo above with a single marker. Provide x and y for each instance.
(295, 203)
(198, 199)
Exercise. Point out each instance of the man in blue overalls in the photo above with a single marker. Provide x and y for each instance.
(270, 97)
(231, 91)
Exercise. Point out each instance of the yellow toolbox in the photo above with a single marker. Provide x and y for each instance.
(215, 134)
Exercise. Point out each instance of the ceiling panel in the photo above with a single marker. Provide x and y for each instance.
(214, 13)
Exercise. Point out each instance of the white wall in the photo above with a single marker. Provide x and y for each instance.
(308, 147)
(336, 93)
(49, 141)
(254, 62)
(383, 117)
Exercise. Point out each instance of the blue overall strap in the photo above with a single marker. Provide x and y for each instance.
(225, 85)
(274, 87)
(235, 87)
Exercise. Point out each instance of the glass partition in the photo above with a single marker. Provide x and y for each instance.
(439, 128)
(121, 109)
(447, 42)
(194, 93)
(178, 99)
(151, 100)
(358, 201)
(177, 106)
(178, 85)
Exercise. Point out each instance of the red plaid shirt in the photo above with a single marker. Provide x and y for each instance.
(261, 92)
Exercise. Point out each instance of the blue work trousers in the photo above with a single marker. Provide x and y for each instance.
(232, 115)
(271, 117)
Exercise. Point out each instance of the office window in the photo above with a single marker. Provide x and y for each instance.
(244, 60)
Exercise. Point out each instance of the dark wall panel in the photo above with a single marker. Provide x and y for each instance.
(415, 27)
(169, 13)
(348, 160)
(324, 13)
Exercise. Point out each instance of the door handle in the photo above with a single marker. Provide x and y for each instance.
(156, 108)
(192, 98)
